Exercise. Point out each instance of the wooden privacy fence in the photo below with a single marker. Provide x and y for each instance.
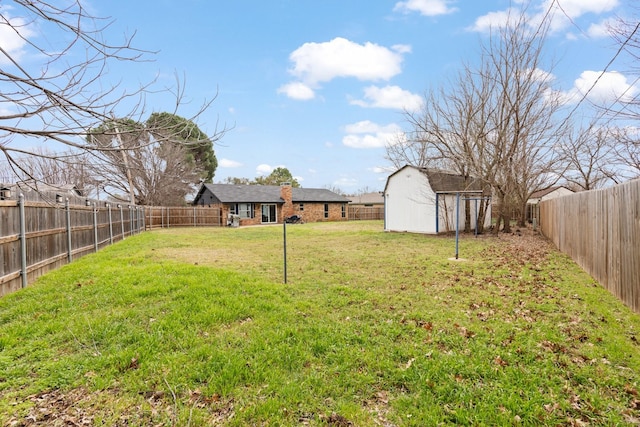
(365, 212)
(38, 237)
(600, 230)
(177, 216)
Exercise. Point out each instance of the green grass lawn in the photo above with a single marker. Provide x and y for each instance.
(196, 327)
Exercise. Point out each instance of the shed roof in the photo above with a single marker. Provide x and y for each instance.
(446, 182)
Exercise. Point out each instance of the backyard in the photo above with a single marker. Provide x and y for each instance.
(194, 326)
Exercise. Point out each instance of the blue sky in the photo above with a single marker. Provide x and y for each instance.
(319, 87)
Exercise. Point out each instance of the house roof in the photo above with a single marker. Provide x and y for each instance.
(316, 195)
(541, 193)
(446, 182)
(231, 193)
(368, 199)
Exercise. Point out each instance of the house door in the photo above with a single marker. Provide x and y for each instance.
(269, 214)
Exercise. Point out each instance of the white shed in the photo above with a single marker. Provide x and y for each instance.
(420, 200)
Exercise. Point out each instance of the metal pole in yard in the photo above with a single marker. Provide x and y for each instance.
(476, 207)
(23, 242)
(121, 221)
(437, 215)
(110, 224)
(284, 236)
(457, 221)
(95, 227)
(68, 211)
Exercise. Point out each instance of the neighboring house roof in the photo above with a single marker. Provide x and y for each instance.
(376, 198)
(232, 193)
(537, 196)
(541, 193)
(446, 182)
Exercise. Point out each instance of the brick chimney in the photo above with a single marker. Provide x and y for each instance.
(286, 195)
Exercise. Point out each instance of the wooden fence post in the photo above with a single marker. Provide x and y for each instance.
(23, 242)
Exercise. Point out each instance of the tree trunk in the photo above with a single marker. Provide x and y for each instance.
(467, 215)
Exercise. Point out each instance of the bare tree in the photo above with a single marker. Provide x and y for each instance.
(496, 121)
(590, 157)
(44, 97)
(56, 170)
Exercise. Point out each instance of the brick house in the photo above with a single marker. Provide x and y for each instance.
(271, 204)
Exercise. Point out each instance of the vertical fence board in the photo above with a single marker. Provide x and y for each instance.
(600, 230)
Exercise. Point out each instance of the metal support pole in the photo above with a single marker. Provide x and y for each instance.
(95, 227)
(23, 242)
(284, 237)
(110, 224)
(68, 211)
(476, 208)
(130, 221)
(121, 221)
(437, 215)
(457, 221)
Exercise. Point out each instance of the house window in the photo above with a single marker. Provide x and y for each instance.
(301, 207)
(344, 211)
(245, 210)
(326, 210)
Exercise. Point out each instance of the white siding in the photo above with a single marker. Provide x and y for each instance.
(409, 203)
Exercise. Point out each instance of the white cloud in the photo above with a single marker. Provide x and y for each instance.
(14, 33)
(345, 182)
(317, 63)
(610, 86)
(366, 134)
(226, 163)
(562, 14)
(497, 19)
(297, 90)
(383, 169)
(425, 7)
(600, 29)
(263, 169)
(566, 11)
(389, 97)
